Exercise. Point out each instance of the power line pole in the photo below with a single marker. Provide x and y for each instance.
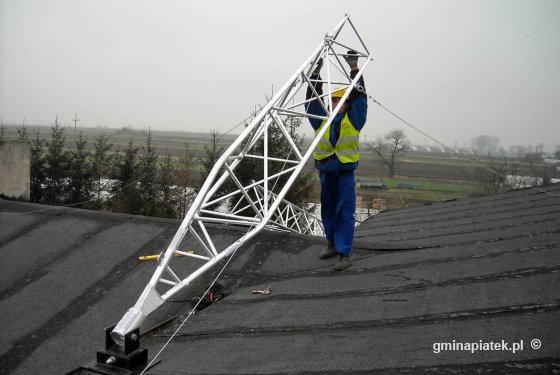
(75, 121)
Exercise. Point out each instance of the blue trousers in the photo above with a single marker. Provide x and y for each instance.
(338, 204)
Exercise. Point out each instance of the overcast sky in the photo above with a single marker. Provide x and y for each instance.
(455, 69)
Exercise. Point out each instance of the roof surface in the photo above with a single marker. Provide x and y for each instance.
(477, 270)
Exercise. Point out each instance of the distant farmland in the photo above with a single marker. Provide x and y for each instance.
(433, 176)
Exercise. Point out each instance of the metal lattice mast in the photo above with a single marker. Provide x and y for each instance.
(253, 205)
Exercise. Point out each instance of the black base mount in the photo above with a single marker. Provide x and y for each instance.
(117, 359)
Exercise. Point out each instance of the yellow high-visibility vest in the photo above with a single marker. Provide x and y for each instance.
(347, 148)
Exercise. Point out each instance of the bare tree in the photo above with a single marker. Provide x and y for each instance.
(536, 168)
(390, 147)
(497, 173)
(485, 144)
(517, 150)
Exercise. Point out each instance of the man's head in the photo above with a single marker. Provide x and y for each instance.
(336, 96)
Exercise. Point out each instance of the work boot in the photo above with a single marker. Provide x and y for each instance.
(344, 261)
(327, 253)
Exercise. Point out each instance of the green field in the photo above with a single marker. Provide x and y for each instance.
(422, 191)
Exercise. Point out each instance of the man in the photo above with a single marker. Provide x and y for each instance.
(336, 158)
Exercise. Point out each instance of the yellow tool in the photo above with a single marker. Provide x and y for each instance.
(155, 257)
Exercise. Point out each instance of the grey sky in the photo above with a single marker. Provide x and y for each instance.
(455, 69)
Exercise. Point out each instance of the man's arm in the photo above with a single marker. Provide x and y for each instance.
(357, 98)
(314, 107)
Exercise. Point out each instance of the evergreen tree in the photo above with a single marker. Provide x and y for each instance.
(148, 177)
(167, 199)
(126, 197)
(185, 182)
(79, 187)
(101, 166)
(278, 147)
(22, 133)
(37, 172)
(56, 168)
(212, 152)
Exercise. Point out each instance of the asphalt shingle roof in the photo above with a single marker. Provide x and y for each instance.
(475, 270)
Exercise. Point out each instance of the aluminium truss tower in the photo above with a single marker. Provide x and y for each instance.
(253, 205)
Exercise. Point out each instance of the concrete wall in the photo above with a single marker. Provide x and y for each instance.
(14, 169)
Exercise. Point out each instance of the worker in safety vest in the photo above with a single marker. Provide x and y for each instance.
(336, 158)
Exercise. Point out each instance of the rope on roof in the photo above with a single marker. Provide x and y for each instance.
(191, 313)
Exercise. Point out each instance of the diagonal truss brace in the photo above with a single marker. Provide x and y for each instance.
(254, 205)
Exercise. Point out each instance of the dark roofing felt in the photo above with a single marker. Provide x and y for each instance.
(484, 268)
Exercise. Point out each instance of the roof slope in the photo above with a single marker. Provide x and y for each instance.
(470, 270)
(476, 269)
(57, 265)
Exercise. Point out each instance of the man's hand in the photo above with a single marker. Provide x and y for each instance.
(351, 58)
